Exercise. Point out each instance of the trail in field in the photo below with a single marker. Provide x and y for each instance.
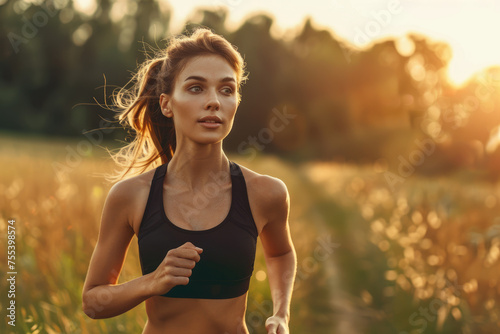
(348, 318)
(328, 306)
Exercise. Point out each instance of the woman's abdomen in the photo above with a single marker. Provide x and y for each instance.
(186, 315)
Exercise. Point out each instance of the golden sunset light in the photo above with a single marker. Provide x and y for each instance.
(250, 166)
(468, 26)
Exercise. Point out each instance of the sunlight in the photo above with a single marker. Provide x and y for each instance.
(87, 7)
(464, 63)
(494, 140)
(465, 25)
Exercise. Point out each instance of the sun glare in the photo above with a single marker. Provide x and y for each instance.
(87, 7)
(466, 25)
(465, 63)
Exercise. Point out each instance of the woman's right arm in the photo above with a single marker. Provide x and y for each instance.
(101, 296)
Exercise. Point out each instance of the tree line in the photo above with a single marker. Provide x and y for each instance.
(312, 96)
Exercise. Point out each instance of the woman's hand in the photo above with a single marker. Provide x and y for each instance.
(277, 325)
(175, 269)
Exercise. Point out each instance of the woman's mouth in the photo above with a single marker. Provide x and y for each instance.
(210, 122)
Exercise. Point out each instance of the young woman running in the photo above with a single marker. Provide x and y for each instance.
(196, 214)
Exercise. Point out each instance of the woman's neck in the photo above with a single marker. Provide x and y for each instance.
(199, 165)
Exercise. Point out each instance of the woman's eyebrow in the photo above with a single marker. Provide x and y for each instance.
(199, 78)
(228, 79)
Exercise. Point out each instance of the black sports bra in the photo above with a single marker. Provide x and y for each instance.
(227, 261)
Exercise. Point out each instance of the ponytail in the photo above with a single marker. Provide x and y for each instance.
(154, 142)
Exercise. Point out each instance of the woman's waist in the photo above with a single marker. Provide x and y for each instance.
(190, 314)
(194, 327)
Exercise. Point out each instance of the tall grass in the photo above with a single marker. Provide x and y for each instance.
(422, 257)
(57, 219)
(371, 258)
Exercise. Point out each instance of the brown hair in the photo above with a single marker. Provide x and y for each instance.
(138, 106)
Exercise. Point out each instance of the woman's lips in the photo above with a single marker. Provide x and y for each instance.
(209, 124)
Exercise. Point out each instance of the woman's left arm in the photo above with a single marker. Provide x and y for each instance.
(280, 256)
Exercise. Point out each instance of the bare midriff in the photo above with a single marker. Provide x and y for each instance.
(196, 316)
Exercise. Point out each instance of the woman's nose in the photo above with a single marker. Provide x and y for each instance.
(213, 102)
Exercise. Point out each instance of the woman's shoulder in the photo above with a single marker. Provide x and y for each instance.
(266, 189)
(267, 196)
(131, 195)
(128, 187)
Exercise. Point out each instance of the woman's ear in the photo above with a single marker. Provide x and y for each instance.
(165, 105)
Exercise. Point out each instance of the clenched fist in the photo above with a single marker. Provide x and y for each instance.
(175, 269)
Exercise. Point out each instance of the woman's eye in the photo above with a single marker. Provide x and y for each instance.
(195, 89)
(227, 90)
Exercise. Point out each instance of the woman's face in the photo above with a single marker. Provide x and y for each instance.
(204, 100)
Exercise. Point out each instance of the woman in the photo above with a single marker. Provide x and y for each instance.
(197, 215)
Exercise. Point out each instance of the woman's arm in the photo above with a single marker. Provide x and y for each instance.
(101, 296)
(279, 254)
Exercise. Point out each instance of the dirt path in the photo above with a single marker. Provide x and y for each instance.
(348, 318)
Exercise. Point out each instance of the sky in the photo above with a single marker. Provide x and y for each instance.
(468, 26)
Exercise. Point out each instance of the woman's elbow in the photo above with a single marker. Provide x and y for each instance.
(89, 306)
(87, 309)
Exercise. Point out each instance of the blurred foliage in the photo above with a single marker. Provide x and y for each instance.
(420, 258)
(344, 104)
(407, 245)
(57, 224)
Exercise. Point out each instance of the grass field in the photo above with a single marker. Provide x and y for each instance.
(420, 258)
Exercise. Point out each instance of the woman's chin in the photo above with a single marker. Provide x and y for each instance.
(209, 140)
